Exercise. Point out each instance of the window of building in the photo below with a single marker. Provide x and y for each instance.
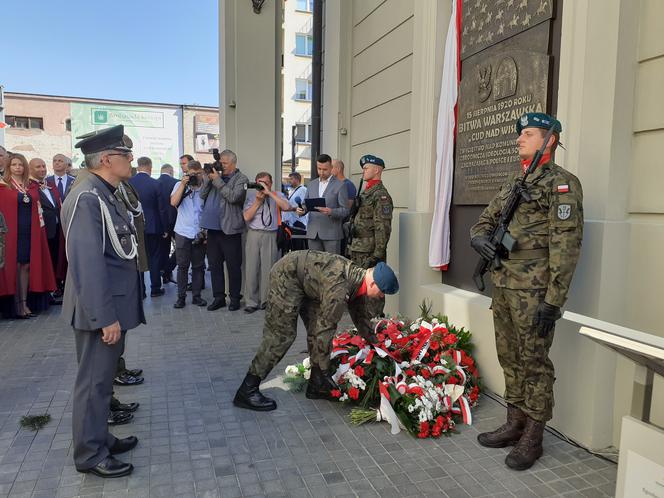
(302, 89)
(305, 5)
(25, 122)
(68, 124)
(304, 45)
(302, 133)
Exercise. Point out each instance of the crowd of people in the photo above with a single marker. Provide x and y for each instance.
(184, 226)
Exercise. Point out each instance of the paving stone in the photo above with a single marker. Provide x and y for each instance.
(194, 442)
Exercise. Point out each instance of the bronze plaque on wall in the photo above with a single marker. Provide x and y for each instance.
(500, 82)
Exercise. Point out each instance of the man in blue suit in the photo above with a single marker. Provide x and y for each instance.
(154, 210)
(168, 264)
(60, 180)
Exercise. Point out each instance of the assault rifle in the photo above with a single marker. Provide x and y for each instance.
(348, 225)
(500, 236)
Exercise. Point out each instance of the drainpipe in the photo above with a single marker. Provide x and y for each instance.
(316, 80)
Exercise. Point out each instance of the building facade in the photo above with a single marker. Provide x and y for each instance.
(45, 125)
(382, 74)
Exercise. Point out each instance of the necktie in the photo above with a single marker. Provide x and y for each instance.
(60, 188)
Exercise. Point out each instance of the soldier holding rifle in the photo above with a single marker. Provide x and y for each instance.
(530, 237)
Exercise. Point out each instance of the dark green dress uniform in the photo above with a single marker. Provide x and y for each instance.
(548, 230)
(318, 286)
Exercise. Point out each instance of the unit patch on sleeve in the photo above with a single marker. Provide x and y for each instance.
(564, 211)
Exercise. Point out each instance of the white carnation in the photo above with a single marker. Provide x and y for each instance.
(307, 363)
(307, 374)
(291, 370)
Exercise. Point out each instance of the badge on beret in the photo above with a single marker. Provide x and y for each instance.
(564, 211)
(524, 120)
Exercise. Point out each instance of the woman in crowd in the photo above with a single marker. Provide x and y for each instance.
(27, 261)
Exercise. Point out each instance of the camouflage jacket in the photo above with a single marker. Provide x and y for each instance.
(3, 231)
(548, 230)
(130, 201)
(372, 224)
(333, 281)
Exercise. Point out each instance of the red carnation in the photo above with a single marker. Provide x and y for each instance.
(359, 371)
(416, 390)
(425, 373)
(474, 394)
(354, 393)
(335, 393)
(410, 372)
(450, 339)
(424, 430)
(452, 380)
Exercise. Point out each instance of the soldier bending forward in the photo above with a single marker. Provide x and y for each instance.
(318, 286)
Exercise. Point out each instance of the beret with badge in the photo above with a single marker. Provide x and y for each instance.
(538, 120)
(370, 159)
(112, 138)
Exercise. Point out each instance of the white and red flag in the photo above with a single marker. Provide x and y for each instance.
(439, 240)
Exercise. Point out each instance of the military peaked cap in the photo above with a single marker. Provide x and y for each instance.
(369, 159)
(108, 139)
(538, 120)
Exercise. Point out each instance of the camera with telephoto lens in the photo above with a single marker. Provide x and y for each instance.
(216, 165)
(200, 238)
(256, 185)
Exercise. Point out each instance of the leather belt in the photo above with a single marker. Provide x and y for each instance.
(542, 252)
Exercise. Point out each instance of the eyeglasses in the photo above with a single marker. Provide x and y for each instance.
(124, 154)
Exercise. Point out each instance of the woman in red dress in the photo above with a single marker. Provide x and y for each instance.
(27, 260)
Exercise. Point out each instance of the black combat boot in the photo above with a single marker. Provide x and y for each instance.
(249, 396)
(507, 434)
(529, 448)
(320, 384)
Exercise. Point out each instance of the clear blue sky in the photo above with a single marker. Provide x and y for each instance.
(146, 50)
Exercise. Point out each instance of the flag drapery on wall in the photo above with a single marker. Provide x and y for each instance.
(439, 240)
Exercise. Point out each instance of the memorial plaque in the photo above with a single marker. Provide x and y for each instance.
(499, 83)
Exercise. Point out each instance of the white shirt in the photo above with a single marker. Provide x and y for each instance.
(322, 186)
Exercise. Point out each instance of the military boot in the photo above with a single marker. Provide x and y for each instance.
(249, 396)
(529, 447)
(507, 434)
(320, 384)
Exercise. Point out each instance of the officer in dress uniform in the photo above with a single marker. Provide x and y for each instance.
(102, 298)
(371, 224)
(318, 286)
(531, 286)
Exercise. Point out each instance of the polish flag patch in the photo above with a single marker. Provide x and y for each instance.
(563, 189)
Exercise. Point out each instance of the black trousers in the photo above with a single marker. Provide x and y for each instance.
(93, 388)
(223, 248)
(153, 250)
(167, 261)
(187, 254)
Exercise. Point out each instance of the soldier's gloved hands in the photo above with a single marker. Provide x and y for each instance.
(483, 246)
(545, 318)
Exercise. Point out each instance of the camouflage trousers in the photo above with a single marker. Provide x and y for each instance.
(286, 300)
(375, 306)
(523, 355)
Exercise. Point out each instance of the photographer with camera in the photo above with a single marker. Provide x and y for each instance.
(260, 213)
(223, 194)
(189, 237)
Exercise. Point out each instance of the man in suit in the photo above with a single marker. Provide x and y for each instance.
(166, 183)
(60, 180)
(324, 230)
(49, 199)
(102, 297)
(156, 219)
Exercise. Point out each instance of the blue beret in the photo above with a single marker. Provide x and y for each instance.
(107, 139)
(538, 120)
(385, 279)
(369, 159)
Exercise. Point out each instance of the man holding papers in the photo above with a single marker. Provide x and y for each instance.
(326, 201)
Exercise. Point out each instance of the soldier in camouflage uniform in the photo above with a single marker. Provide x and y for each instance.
(318, 286)
(371, 222)
(531, 286)
(3, 231)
